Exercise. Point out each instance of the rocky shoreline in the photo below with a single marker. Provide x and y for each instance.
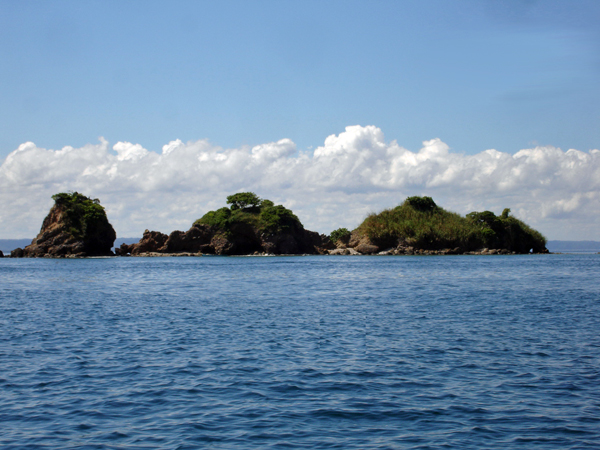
(348, 251)
(77, 227)
(345, 252)
(409, 251)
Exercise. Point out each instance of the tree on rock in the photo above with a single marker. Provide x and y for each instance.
(253, 225)
(243, 200)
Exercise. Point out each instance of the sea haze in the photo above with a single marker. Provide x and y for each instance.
(8, 245)
(573, 246)
(469, 352)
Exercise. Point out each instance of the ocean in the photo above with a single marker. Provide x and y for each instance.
(314, 352)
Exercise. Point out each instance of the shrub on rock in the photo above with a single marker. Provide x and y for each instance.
(418, 223)
(75, 226)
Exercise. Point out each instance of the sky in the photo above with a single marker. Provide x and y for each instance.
(335, 109)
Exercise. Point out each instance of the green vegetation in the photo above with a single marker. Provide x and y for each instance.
(277, 218)
(424, 204)
(243, 200)
(420, 223)
(248, 209)
(505, 231)
(340, 234)
(84, 216)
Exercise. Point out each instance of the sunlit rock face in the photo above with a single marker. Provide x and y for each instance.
(75, 226)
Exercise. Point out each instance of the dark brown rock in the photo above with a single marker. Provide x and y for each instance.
(191, 241)
(124, 250)
(60, 237)
(152, 241)
(294, 242)
(221, 245)
(242, 239)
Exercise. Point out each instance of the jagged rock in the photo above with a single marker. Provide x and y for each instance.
(75, 226)
(220, 245)
(123, 250)
(194, 240)
(241, 239)
(207, 249)
(152, 241)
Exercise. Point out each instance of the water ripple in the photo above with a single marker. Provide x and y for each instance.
(301, 352)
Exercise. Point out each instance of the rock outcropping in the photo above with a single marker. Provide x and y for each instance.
(240, 240)
(76, 226)
(250, 226)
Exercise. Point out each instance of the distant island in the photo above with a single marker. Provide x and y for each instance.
(77, 226)
(573, 246)
(420, 226)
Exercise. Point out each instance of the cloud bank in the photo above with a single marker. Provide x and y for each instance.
(337, 184)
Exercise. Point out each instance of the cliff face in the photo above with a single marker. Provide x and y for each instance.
(75, 226)
(241, 239)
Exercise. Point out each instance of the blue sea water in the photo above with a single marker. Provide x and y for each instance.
(456, 352)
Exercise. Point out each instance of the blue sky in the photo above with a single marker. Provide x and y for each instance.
(333, 108)
(476, 74)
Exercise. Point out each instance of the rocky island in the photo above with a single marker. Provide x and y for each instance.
(76, 226)
(250, 225)
(420, 226)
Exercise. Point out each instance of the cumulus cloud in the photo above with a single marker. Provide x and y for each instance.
(337, 184)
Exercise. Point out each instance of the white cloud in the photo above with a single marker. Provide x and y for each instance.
(127, 151)
(337, 184)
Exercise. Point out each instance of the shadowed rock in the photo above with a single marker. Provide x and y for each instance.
(251, 226)
(75, 226)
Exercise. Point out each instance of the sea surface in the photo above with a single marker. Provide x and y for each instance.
(435, 352)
